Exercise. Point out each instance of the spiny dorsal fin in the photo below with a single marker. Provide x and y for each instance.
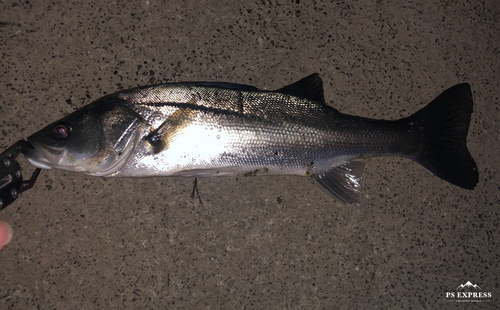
(310, 87)
(231, 86)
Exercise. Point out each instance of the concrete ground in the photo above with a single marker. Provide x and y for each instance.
(86, 242)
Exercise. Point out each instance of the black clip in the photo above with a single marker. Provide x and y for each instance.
(11, 179)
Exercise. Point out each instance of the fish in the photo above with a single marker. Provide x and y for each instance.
(207, 129)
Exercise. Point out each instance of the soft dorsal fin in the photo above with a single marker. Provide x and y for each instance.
(310, 87)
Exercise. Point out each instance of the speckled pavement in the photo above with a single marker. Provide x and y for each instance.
(84, 242)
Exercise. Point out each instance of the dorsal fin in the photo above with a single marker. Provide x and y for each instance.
(310, 87)
(232, 86)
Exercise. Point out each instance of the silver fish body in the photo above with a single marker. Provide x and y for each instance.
(214, 129)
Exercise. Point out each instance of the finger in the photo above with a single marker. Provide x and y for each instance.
(5, 234)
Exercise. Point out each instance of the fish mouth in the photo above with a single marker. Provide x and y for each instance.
(42, 156)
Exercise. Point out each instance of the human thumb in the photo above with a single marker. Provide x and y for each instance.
(5, 234)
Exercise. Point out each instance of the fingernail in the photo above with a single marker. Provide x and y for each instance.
(5, 233)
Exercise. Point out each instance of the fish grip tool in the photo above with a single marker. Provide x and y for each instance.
(11, 178)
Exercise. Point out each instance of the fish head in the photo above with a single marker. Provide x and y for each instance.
(97, 139)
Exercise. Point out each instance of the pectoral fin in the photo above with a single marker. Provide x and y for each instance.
(159, 138)
(342, 182)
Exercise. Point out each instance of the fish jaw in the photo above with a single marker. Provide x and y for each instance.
(43, 157)
(46, 157)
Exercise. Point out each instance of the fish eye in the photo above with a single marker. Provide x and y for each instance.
(62, 131)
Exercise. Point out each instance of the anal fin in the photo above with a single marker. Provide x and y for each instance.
(342, 182)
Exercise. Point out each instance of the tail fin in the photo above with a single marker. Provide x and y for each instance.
(445, 122)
